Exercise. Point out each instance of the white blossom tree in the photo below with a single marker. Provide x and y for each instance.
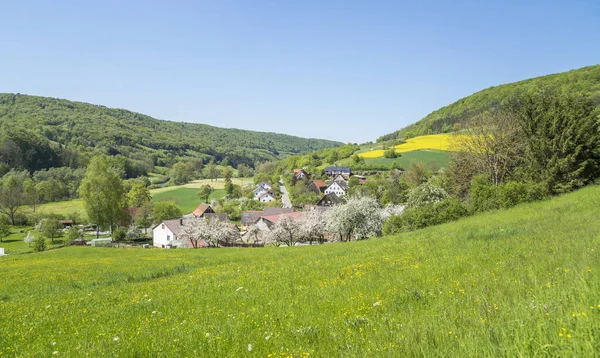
(29, 238)
(212, 231)
(313, 226)
(287, 231)
(359, 218)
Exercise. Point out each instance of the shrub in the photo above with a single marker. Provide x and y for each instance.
(485, 196)
(39, 244)
(425, 215)
(119, 234)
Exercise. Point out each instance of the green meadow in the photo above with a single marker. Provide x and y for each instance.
(440, 158)
(517, 282)
(186, 198)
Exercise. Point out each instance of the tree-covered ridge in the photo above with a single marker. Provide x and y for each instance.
(86, 128)
(456, 116)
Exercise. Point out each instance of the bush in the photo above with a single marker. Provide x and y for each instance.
(39, 244)
(119, 234)
(485, 196)
(425, 215)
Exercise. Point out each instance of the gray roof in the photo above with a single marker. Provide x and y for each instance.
(275, 211)
(338, 169)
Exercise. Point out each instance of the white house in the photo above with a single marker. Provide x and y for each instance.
(338, 188)
(262, 188)
(300, 174)
(165, 234)
(266, 197)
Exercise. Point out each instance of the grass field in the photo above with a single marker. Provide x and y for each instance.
(518, 282)
(183, 195)
(185, 198)
(439, 142)
(426, 156)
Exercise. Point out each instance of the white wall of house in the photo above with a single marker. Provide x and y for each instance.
(267, 198)
(162, 236)
(336, 189)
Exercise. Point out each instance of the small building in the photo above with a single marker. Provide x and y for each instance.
(317, 186)
(340, 178)
(101, 242)
(165, 234)
(337, 188)
(250, 217)
(300, 174)
(334, 171)
(66, 223)
(329, 200)
(266, 197)
(203, 209)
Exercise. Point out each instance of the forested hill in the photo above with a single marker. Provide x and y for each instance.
(455, 116)
(82, 129)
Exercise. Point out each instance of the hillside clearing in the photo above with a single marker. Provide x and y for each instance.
(518, 282)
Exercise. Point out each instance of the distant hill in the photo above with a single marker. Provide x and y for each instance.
(88, 128)
(455, 116)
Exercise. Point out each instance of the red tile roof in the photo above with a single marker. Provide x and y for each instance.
(275, 218)
(320, 183)
(202, 209)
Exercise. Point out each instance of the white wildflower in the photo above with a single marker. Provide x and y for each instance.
(207, 335)
(116, 339)
(376, 303)
(239, 288)
(249, 347)
(153, 312)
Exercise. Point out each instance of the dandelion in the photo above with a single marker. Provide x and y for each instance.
(249, 347)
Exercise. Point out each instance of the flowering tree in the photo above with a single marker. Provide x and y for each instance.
(29, 238)
(313, 226)
(357, 219)
(425, 194)
(209, 230)
(286, 230)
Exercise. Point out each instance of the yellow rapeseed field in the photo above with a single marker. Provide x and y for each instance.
(434, 141)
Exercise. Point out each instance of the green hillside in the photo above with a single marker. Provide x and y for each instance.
(518, 282)
(86, 128)
(455, 116)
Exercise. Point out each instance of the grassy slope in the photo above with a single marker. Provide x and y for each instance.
(524, 281)
(584, 81)
(425, 156)
(185, 198)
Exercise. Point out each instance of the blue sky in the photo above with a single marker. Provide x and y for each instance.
(343, 70)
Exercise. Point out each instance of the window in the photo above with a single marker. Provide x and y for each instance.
(168, 237)
(162, 226)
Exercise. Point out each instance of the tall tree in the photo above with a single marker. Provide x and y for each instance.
(12, 196)
(139, 195)
(562, 134)
(205, 191)
(165, 210)
(103, 194)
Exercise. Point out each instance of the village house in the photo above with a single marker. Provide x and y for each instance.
(166, 234)
(334, 171)
(202, 209)
(266, 197)
(265, 223)
(317, 186)
(300, 174)
(261, 189)
(337, 188)
(329, 200)
(250, 217)
(340, 178)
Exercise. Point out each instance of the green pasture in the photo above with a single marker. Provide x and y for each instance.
(517, 282)
(186, 198)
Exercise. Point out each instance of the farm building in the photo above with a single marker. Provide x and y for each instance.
(338, 188)
(334, 171)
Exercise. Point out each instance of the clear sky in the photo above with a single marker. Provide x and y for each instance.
(343, 70)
